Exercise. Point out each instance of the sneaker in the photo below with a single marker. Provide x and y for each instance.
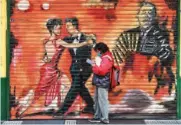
(105, 121)
(95, 120)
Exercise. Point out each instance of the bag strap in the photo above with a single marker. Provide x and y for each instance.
(107, 57)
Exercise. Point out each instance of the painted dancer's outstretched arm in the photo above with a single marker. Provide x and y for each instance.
(89, 41)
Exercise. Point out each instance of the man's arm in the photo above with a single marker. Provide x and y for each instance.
(91, 37)
(73, 45)
(163, 50)
(67, 39)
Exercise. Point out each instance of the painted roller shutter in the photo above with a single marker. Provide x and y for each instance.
(146, 57)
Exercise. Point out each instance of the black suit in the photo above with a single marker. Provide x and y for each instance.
(80, 72)
(154, 42)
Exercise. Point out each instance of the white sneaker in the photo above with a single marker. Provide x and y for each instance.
(95, 120)
(105, 121)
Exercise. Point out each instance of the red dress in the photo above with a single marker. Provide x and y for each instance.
(50, 83)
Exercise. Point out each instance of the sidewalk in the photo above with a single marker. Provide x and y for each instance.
(84, 122)
(69, 122)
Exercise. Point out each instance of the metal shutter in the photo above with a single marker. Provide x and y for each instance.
(148, 67)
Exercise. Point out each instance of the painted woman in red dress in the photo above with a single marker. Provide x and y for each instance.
(50, 76)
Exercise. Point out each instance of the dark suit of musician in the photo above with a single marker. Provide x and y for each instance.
(154, 41)
(80, 69)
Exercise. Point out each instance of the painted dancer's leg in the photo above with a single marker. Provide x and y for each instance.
(71, 95)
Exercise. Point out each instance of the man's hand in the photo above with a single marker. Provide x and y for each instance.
(91, 37)
(90, 41)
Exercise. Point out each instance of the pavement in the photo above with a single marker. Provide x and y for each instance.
(86, 122)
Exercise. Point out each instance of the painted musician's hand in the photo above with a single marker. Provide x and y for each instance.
(153, 60)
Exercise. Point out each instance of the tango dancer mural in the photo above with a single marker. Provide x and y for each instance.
(51, 41)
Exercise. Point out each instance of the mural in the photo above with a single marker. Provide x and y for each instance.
(51, 40)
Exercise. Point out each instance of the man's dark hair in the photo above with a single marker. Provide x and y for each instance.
(74, 21)
(102, 47)
(51, 23)
(154, 11)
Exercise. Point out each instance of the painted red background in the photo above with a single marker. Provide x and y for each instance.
(30, 30)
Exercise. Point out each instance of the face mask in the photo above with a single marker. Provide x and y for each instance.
(99, 54)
